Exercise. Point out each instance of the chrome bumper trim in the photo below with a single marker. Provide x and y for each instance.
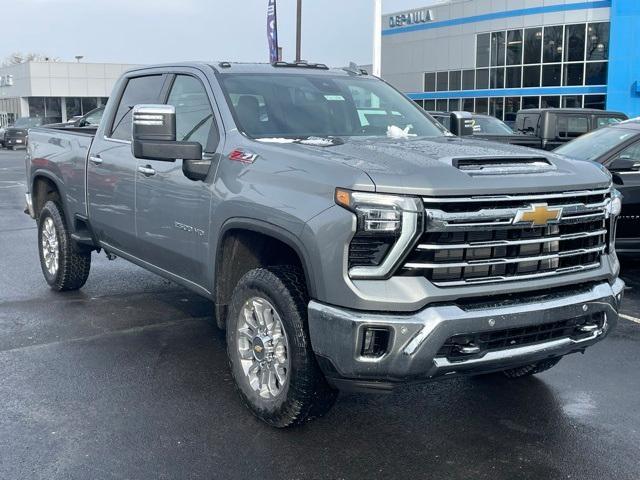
(412, 354)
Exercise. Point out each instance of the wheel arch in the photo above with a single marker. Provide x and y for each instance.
(43, 184)
(247, 243)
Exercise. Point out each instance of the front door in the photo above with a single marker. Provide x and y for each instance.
(172, 211)
(111, 168)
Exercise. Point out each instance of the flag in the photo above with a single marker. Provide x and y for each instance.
(272, 31)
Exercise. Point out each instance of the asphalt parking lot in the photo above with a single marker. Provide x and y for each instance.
(128, 378)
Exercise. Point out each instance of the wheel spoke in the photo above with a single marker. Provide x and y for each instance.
(273, 387)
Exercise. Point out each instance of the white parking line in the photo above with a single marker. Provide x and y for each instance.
(629, 317)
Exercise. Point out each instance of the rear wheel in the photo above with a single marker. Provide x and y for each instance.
(10, 148)
(532, 369)
(63, 265)
(270, 354)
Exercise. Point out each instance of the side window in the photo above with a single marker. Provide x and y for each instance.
(527, 124)
(194, 115)
(572, 126)
(138, 90)
(632, 152)
(604, 121)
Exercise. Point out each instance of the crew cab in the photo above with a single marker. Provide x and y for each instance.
(345, 239)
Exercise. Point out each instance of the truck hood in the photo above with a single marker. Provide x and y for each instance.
(427, 166)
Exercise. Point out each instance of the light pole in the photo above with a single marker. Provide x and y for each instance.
(377, 38)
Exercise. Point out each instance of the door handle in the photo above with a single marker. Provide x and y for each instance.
(147, 171)
(95, 159)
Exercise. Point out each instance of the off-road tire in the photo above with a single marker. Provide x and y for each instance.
(306, 393)
(73, 264)
(528, 370)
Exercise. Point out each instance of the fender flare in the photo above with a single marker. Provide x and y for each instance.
(59, 185)
(277, 232)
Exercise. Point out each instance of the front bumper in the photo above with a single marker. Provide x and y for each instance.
(415, 339)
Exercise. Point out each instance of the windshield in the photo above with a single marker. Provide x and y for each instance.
(596, 143)
(302, 106)
(27, 122)
(490, 126)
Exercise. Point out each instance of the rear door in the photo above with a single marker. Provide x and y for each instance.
(111, 169)
(172, 211)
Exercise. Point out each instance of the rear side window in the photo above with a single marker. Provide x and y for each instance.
(604, 121)
(138, 90)
(572, 126)
(194, 115)
(527, 124)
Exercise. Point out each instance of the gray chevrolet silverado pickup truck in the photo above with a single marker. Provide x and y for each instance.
(346, 240)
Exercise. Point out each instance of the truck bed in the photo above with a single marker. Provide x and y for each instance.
(60, 154)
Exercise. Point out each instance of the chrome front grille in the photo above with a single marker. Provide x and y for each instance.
(477, 240)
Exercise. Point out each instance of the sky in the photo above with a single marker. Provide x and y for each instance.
(335, 32)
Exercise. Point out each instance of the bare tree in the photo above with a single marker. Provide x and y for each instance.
(18, 57)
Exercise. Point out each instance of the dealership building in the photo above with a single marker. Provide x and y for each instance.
(57, 91)
(498, 56)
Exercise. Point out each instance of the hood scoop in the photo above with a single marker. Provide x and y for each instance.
(503, 166)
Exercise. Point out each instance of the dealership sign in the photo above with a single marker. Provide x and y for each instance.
(411, 18)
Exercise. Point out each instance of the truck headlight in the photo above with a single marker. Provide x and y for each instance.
(615, 206)
(387, 226)
(613, 212)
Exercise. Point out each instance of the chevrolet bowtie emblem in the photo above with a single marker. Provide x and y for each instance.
(258, 348)
(539, 214)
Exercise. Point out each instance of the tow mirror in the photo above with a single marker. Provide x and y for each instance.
(154, 135)
(624, 163)
(461, 124)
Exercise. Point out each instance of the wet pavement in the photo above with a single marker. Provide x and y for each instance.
(128, 378)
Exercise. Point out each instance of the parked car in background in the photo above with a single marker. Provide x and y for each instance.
(617, 147)
(482, 124)
(551, 127)
(90, 119)
(2, 132)
(17, 134)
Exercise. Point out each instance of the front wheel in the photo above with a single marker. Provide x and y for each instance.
(270, 354)
(63, 266)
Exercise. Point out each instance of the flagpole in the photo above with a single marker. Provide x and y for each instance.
(299, 31)
(377, 38)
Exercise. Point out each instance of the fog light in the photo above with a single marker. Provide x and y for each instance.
(375, 342)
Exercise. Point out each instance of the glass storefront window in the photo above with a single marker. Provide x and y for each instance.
(454, 104)
(468, 79)
(552, 44)
(467, 104)
(441, 105)
(53, 107)
(430, 82)
(530, 102)
(36, 107)
(482, 105)
(572, 101)
(420, 103)
(88, 104)
(74, 107)
(574, 43)
(596, 73)
(483, 43)
(532, 45)
(598, 41)
(551, 75)
(595, 101)
(429, 105)
(573, 74)
(550, 102)
(514, 47)
(511, 107)
(442, 81)
(482, 79)
(497, 49)
(513, 78)
(531, 76)
(496, 79)
(455, 80)
(496, 107)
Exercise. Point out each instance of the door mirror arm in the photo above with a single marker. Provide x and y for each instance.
(624, 163)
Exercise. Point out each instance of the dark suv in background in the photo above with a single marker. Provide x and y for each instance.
(17, 134)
